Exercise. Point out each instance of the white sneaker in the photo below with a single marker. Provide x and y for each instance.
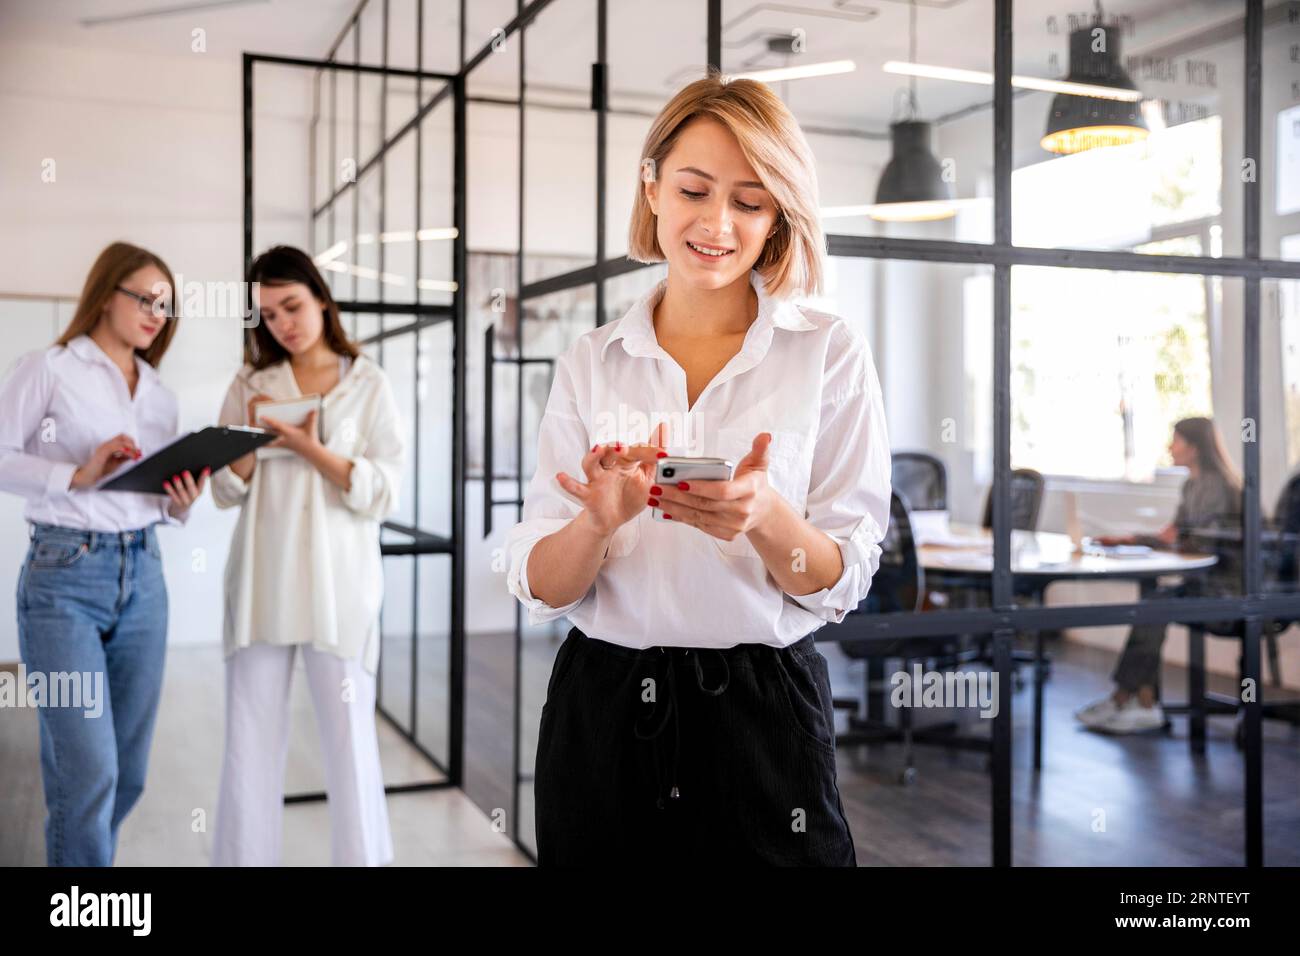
(1133, 718)
(1098, 711)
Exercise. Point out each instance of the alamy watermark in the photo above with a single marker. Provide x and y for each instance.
(83, 690)
(946, 689)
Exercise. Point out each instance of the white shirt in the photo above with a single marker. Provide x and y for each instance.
(304, 564)
(804, 376)
(62, 403)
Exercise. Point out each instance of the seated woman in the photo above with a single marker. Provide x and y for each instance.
(1210, 498)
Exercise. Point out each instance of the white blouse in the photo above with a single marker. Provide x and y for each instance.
(806, 377)
(59, 405)
(304, 564)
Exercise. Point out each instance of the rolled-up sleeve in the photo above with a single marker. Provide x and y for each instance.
(175, 521)
(562, 440)
(228, 489)
(376, 476)
(849, 486)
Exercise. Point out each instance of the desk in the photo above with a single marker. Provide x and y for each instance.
(962, 556)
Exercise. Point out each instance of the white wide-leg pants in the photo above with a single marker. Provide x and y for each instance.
(250, 806)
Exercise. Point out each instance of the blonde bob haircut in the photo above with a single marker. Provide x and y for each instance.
(793, 260)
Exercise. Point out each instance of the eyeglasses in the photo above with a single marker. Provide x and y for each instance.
(149, 306)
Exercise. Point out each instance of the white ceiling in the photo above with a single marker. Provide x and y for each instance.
(654, 47)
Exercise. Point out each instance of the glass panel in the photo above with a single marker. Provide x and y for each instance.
(436, 238)
(281, 120)
(372, 33)
(401, 104)
(871, 775)
(442, 36)
(553, 321)
(1280, 112)
(1157, 154)
(403, 37)
(364, 266)
(372, 101)
(342, 251)
(434, 395)
(395, 245)
(1279, 449)
(1114, 820)
(490, 300)
(635, 95)
(396, 622)
(1104, 365)
(560, 142)
(498, 74)
(399, 362)
(930, 322)
(433, 655)
(882, 72)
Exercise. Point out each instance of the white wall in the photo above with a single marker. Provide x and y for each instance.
(147, 149)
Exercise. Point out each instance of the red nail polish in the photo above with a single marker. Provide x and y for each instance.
(656, 490)
(618, 446)
(594, 447)
(684, 486)
(662, 454)
(668, 516)
(653, 502)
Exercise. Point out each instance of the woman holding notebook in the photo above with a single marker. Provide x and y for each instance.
(304, 569)
(91, 599)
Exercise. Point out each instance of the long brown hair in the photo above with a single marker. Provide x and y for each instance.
(285, 265)
(114, 264)
(1211, 454)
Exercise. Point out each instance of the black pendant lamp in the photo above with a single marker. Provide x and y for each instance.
(1078, 123)
(912, 187)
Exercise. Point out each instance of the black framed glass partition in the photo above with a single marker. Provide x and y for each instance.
(1058, 243)
(378, 211)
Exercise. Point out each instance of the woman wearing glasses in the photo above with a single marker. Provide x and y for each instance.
(688, 717)
(92, 604)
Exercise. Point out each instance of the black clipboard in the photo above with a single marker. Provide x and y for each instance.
(213, 447)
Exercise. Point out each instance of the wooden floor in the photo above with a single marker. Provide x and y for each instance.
(1099, 801)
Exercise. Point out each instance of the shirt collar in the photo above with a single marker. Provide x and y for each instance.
(84, 347)
(636, 327)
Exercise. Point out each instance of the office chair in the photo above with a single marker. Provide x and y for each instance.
(1279, 551)
(1026, 505)
(921, 479)
(1026, 500)
(898, 585)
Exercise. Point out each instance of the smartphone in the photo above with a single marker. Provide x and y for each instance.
(672, 469)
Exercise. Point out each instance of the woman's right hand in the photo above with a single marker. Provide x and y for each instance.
(618, 483)
(244, 465)
(105, 460)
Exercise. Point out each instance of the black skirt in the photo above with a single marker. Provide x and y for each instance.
(673, 754)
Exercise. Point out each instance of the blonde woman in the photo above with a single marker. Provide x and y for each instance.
(305, 572)
(92, 602)
(688, 715)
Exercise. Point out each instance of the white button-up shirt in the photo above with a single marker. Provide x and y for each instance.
(59, 405)
(304, 564)
(806, 377)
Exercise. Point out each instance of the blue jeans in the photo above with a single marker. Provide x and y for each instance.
(92, 615)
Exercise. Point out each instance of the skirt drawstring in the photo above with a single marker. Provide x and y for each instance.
(667, 709)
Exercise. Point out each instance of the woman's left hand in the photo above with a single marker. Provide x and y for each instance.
(723, 509)
(184, 490)
(301, 439)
